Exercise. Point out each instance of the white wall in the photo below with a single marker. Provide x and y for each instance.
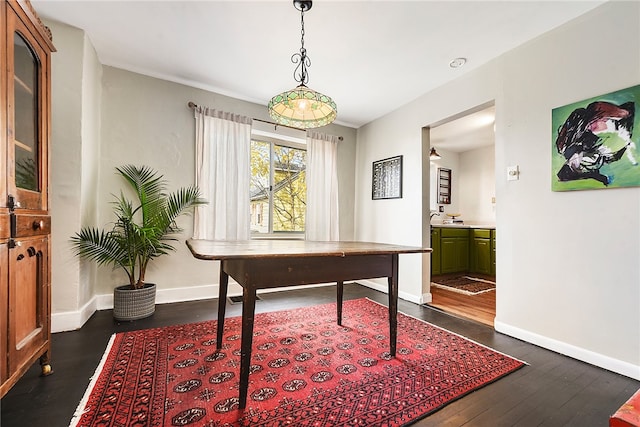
(477, 185)
(568, 275)
(472, 185)
(65, 163)
(573, 281)
(146, 121)
(396, 221)
(104, 117)
(567, 263)
(448, 160)
(74, 140)
(91, 100)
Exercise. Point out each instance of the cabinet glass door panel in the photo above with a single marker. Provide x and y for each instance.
(26, 72)
(27, 118)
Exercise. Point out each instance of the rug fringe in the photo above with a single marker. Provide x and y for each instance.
(80, 410)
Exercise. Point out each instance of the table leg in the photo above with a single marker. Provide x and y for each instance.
(222, 304)
(248, 314)
(393, 305)
(340, 289)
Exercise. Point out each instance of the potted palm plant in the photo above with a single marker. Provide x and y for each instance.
(141, 232)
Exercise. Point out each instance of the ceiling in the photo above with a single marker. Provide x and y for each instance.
(371, 57)
(466, 133)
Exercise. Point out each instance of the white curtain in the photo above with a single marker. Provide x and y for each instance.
(322, 187)
(223, 146)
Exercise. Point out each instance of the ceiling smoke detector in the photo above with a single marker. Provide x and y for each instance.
(458, 62)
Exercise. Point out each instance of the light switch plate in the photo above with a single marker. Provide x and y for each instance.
(513, 173)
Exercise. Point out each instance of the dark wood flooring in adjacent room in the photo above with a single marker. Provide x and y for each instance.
(552, 390)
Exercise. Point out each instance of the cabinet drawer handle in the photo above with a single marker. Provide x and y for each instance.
(38, 225)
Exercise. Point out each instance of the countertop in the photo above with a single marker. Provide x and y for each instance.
(483, 226)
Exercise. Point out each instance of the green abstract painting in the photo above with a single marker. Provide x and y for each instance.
(593, 145)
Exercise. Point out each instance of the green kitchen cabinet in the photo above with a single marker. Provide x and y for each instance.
(436, 252)
(462, 250)
(493, 252)
(481, 251)
(454, 248)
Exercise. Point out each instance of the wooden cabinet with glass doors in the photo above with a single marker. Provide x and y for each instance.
(25, 224)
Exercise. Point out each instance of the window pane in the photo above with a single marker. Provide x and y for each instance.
(260, 187)
(290, 189)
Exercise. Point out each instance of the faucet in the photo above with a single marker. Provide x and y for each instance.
(433, 213)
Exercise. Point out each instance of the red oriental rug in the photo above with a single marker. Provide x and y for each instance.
(306, 371)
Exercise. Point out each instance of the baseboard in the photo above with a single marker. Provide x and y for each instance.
(426, 298)
(167, 296)
(624, 368)
(384, 288)
(72, 320)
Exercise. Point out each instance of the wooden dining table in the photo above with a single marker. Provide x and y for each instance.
(264, 264)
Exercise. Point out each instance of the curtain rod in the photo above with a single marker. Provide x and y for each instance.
(193, 106)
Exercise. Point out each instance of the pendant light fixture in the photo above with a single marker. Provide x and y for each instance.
(302, 107)
(433, 155)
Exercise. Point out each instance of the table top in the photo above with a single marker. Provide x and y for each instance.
(240, 249)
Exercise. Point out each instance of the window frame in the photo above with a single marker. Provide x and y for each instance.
(289, 140)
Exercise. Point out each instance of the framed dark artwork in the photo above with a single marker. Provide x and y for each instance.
(593, 145)
(386, 182)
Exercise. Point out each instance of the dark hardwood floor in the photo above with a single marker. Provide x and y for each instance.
(552, 390)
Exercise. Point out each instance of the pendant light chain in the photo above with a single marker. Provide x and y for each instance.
(300, 73)
(302, 107)
(302, 30)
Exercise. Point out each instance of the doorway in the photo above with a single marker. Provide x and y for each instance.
(465, 145)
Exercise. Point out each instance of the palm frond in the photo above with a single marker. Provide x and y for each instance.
(142, 231)
(103, 247)
(148, 185)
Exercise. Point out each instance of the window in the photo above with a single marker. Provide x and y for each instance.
(278, 187)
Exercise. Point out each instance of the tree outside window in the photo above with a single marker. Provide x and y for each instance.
(278, 188)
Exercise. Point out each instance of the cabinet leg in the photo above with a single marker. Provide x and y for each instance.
(45, 366)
